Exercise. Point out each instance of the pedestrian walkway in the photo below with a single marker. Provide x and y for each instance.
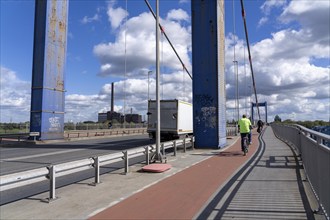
(267, 186)
(271, 187)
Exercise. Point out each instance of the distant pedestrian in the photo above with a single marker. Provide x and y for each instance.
(244, 126)
(260, 126)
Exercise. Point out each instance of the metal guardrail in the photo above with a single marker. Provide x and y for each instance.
(51, 172)
(315, 157)
(104, 132)
(16, 136)
(80, 133)
(230, 131)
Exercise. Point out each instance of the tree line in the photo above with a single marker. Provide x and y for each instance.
(307, 124)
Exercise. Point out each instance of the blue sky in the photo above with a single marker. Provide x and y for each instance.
(290, 45)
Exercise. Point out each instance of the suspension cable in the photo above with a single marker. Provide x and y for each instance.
(162, 29)
(125, 68)
(235, 65)
(250, 60)
(183, 84)
(162, 64)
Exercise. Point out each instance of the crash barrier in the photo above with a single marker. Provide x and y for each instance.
(230, 131)
(16, 136)
(315, 155)
(107, 132)
(52, 171)
(77, 134)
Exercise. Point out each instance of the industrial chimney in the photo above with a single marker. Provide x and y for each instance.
(112, 97)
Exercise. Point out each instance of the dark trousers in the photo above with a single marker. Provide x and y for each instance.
(242, 139)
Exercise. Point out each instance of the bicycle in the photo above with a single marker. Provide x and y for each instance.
(245, 145)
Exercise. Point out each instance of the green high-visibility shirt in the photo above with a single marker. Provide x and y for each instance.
(244, 125)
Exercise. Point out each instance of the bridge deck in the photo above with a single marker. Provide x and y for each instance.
(265, 184)
(269, 186)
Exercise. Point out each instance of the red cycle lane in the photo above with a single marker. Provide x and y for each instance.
(182, 195)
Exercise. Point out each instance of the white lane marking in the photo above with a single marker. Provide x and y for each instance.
(57, 152)
(45, 154)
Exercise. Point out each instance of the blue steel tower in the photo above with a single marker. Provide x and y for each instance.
(209, 99)
(49, 52)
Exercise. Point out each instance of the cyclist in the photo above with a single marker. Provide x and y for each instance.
(260, 125)
(244, 125)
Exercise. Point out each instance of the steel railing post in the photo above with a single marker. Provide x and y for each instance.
(184, 145)
(163, 149)
(192, 143)
(147, 152)
(318, 140)
(52, 183)
(126, 161)
(97, 170)
(175, 148)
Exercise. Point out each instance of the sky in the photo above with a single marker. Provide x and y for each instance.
(114, 41)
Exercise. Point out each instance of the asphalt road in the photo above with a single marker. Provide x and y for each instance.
(22, 157)
(29, 156)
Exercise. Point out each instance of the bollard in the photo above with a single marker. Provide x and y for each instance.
(97, 170)
(126, 162)
(147, 154)
(175, 148)
(52, 186)
(184, 145)
(192, 143)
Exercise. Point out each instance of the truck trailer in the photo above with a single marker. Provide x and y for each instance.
(176, 119)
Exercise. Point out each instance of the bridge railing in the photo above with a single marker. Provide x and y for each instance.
(75, 134)
(15, 136)
(103, 132)
(53, 171)
(315, 154)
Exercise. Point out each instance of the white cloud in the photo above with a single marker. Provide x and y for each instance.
(281, 64)
(270, 4)
(87, 19)
(177, 15)
(116, 16)
(266, 9)
(140, 47)
(313, 16)
(262, 21)
(284, 64)
(14, 97)
(293, 78)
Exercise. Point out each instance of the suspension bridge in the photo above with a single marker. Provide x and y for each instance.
(279, 179)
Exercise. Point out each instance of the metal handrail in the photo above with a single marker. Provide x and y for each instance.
(315, 157)
(17, 136)
(52, 171)
(231, 131)
(82, 133)
(103, 132)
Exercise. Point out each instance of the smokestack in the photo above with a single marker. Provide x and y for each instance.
(112, 96)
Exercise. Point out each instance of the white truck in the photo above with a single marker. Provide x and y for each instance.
(176, 119)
